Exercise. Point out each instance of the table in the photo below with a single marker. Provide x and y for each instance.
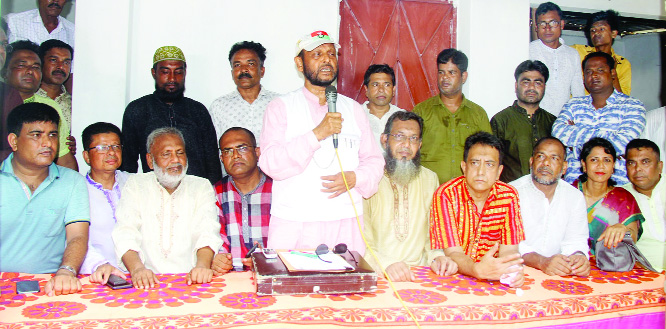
(633, 299)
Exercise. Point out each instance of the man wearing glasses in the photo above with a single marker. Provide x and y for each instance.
(243, 201)
(103, 153)
(566, 78)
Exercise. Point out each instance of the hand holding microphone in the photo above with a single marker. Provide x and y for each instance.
(332, 122)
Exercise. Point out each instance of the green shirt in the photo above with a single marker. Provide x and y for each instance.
(519, 132)
(444, 134)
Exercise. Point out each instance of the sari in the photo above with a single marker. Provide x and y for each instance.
(617, 206)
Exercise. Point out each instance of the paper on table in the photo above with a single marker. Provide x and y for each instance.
(308, 261)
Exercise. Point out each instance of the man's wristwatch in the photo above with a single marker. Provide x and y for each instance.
(68, 268)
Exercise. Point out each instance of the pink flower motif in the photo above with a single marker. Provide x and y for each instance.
(567, 287)
(418, 296)
(246, 300)
(53, 310)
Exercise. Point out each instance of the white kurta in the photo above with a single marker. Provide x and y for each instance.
(653, 241)
(166, 229)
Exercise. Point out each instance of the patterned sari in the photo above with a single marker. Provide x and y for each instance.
(617, 206)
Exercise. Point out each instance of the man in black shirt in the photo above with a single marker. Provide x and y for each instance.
(168, 107)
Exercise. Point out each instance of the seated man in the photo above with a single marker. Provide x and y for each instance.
(166, 218)
(44, 215)
(103, 153)
(243, 200)
(554, 214)
(396, 217)
(649, 189)
(474, 216)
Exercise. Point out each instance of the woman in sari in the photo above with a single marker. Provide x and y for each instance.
(611, 211)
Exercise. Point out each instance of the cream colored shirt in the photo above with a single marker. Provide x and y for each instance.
(653, 241)
(404, 238)
(166, 229)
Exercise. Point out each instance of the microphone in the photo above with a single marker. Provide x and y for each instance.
(331, 98)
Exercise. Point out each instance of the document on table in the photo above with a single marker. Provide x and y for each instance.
(308, 261)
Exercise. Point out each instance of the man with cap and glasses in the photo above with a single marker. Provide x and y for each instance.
(310, 203)
(168, 107)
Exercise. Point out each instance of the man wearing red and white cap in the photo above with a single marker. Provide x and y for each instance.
(310, 203)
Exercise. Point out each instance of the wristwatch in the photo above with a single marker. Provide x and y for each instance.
(69, 268)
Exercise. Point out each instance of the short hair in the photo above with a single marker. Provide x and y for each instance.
(587, 149)
(403, 116)
(29, 113)
(16, 46)
(550, 138)
(642, 143)
(378, 68)
(530, 65)
(609, 16)
(50, 44)
(159, 132)
(546, 7)
(99, 128)
(253, 139)
(454, 56)
(483, 138)
(609, 59)
(249, 45)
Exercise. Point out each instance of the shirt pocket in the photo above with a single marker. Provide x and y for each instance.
(55, 225)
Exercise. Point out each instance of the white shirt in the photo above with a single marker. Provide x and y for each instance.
(377, 125)
(556, 227)
(28, 25)
(653, 240)
(231, 110)
(166, 229)
(565, 74)
(655, 130)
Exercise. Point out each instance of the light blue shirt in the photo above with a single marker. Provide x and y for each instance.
(32, 226)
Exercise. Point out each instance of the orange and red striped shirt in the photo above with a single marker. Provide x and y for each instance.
(455, 221)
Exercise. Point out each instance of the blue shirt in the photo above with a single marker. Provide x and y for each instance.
(32, 226)
(620, 121)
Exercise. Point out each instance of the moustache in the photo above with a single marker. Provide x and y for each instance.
(54, 5)
(244, 75)
(58, 72)
(546, 169)
(175, 166)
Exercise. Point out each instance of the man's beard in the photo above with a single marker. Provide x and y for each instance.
(545, 181)
(312, 76)
(525, 100)
(170, 97)
(402, 171)
(167, 180)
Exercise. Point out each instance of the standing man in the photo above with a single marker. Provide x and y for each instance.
(41, 24)
(566, 80)
(243, 201)
(43, 207)
(103, 153)
(475, 216)
(655, 129)
(168, 107)
(522, 124)
(601, 29)
(379, 84)
(56, 57)
(245, 106)
(310, 201)
(605, 113)
(554, 214)
(449, 118)
(649, 189)
(396, 217)
(167, 219)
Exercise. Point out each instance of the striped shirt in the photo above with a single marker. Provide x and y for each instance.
(244, 217)
(456, 222)
(620, 121)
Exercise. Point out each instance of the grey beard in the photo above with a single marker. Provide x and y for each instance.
(402, 171)
(545, 181)
(167, 180)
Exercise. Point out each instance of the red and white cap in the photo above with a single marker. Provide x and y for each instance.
(313, 40)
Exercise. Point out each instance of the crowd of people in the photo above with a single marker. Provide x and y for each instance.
(569, 163)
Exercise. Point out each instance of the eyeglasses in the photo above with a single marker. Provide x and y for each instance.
(340, 248)
(106, 148)
(402, 138)
(553, 24)
(229, 152)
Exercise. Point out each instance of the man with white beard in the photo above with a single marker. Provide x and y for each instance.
(554, 214)
(396, 217)
(167, 220)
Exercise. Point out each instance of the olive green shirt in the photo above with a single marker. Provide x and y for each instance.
(444, 134)
(519, 132)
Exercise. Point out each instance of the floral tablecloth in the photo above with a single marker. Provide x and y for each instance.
(603, 300)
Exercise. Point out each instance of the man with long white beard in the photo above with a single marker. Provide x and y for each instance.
(167, 220)
(396, 217)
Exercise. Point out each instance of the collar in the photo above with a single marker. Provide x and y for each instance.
(463, 104)
(468, 197)
(562, 44)
(99, 185)
(262, 180)
(42, 92)
(523, 110)
(37, 18)
(310, 97)
(262, 92)
(7, 168)
(162, 188)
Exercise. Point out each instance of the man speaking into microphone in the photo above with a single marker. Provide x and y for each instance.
(310, 205)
